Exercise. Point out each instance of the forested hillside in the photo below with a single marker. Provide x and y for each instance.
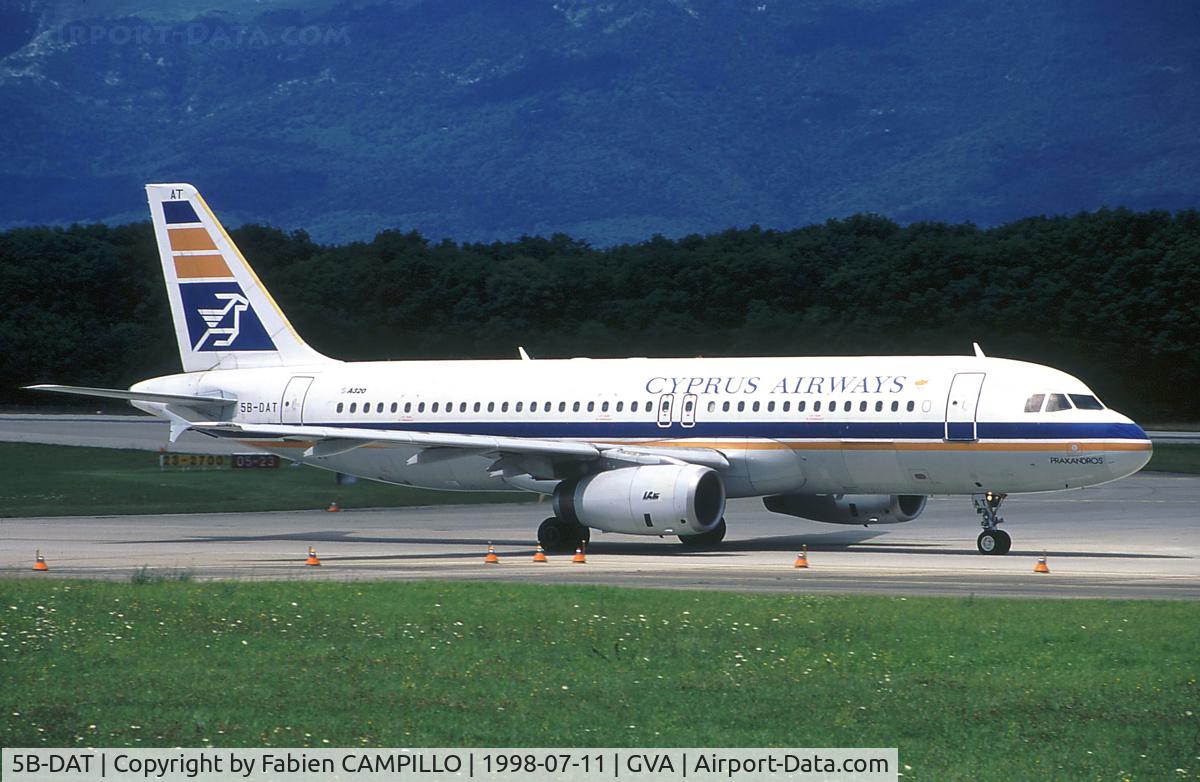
(1112, 296)
(609, 120)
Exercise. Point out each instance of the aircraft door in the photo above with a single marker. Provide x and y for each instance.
(688, 415)
(961, 406)
(666, 404)
(291, 407)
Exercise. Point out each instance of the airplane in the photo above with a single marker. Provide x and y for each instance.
(637, 445)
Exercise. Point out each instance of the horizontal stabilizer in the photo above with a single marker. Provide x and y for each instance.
(135, 396)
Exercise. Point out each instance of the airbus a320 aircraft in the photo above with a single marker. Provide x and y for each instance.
(639, 446)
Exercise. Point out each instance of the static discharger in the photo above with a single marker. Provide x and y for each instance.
(1041, 566)
(491, 558)
(539, 555)
(580, 557)
(333, 508)
(312, 558)
(39, 562)
(802, 557)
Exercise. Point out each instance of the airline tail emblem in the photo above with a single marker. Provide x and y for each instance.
(224, 317)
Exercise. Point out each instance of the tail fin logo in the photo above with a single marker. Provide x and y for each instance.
(220, 318)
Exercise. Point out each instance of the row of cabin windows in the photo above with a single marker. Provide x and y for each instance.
(478, 407)
(546, 407)
(1052, 403)
(802, 406)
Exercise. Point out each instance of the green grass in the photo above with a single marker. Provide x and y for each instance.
(1175, 457)
(59, 480)
(967, 689)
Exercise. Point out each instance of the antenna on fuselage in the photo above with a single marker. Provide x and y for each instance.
(978, 350)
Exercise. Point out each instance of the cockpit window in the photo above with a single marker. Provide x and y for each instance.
(1057, 402)
(1086, 402)
(1034, 403)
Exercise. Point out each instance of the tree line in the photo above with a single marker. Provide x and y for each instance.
(1111, 296)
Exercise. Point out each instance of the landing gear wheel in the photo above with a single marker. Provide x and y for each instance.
(556, 535)
(710, 538)
(993, 541)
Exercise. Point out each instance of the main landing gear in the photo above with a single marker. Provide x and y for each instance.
(992, 540)
(559, 535)
(710, 538)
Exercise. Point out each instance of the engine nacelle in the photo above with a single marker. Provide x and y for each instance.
(849, 508)
(680, 499)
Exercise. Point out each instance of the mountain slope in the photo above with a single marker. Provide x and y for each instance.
(482, 119)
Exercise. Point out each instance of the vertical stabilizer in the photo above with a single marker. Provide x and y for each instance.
(224, 317)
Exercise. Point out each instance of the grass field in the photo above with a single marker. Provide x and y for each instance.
(56, 480)
(967, 689)
(59, 480)
(1175, 457)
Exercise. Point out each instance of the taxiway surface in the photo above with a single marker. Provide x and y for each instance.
(1137, 538)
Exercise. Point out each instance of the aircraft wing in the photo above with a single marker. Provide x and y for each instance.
(332, 440)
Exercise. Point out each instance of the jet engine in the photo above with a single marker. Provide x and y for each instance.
(862, 509)
(679, 499)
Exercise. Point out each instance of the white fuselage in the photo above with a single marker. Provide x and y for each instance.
(822, 425)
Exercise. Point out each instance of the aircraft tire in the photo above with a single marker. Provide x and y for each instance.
(710, 538)
(558, 536)
(994, 541)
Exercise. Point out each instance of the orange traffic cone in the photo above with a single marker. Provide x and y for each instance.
(539, 555)
(1041, 566)
(312, 558)
(802, 557)
(333, 507)
(579, 558)
(491, 558)
(39, 563)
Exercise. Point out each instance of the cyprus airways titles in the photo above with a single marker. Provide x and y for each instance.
(638, 446)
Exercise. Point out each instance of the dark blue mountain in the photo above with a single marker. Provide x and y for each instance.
(609, 121)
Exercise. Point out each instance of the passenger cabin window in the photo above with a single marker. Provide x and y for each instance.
(817, 406)
(712, 406)
(604, 407)
(756, 404)
(562, 407)
(1086, 402)
(491, 407)
(895, 406)
(770, 407)
(620, 406)
(787, 406)
(520, 406)
(353, 406)
(725, 407)
(1057, 402)
(421, 407)
(477, 405)
(800, 406)
(862, 406)
(846, 407)
(632, 407)
(340, 406)
(591, 407)
(379, 407)
(741, 407)
(910, 406)
(1034, 403)
(504, 407)
(879, 407)
(434, 409)
(408, 407)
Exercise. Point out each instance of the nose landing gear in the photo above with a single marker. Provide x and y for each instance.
(992, 540)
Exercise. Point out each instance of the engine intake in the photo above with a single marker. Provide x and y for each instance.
(849, 508)
(683, 499)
